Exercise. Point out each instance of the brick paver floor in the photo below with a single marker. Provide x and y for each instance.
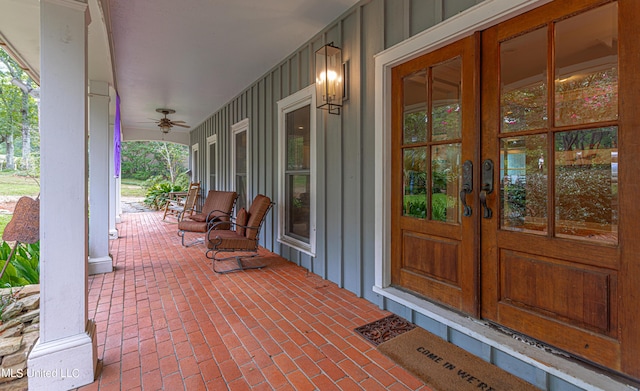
(166, 321)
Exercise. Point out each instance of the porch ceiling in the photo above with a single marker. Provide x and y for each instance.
(191, 56)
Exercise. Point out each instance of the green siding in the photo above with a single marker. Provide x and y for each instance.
(345, 173)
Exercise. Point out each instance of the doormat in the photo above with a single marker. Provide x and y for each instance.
(446, 367)
(384, 329)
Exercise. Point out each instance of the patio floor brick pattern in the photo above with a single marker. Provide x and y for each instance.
(165, 320)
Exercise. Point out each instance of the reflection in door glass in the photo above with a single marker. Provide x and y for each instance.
(445, 100)
(445, 183)
(586, 167)
(415, 182)
(586, 69)
(523, 183)
(415, 108)
(523, 82)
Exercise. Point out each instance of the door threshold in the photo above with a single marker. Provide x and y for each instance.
(548, 361)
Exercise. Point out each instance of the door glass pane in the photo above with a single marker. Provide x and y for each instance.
(298, 203)
(446, 106)
(415, 182)
(586, 166)
(415, 108)
(241, 169)
(523, 82)
(586, 70)
(523, 185)
(445, 183)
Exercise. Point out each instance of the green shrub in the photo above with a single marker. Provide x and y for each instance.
(24, 268)
(158, 194)
(153, 181)
(417, 207)
(439, 207)
(183, 180)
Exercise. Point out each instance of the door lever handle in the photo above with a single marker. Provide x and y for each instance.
(483, 201)
(487, 187)
(467, 186)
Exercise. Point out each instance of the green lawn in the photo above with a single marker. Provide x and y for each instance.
(132, 191)
(4, 220)
(12, 184)
(132, 188)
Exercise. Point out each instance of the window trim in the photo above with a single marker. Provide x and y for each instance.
(212, 140)
(195, 173)
(239, 127)
(304, 97)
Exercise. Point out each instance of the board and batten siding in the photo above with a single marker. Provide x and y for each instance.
(346, 183)
(345, 146)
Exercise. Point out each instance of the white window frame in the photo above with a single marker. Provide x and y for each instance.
(304, 97)
(195, 174)
(239, 127)
(212, 140)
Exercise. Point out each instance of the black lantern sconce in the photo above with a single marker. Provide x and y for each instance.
(329, 78)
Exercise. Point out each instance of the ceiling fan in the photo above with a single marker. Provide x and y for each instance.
(165, 123)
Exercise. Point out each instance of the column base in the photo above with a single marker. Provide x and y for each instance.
(100, 265)
(64, 364)
(113, 234)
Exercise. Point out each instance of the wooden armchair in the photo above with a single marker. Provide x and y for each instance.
(217, 208)
(242, 236)
(182, 205)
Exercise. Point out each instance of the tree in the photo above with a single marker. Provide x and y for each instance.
(174, 157)
(143, 160)
(18, 109)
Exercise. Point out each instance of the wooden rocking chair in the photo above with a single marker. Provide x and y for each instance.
(180, 204)
(217, 207)
(242, 237)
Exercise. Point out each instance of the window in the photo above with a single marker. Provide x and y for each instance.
(297, 170)
(212, 161)
(239, 146)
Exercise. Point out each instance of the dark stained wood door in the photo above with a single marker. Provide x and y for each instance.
(559, 257)
(436, 130)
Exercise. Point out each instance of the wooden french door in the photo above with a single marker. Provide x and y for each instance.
(556, 124)
(550, 247)
(434, 239)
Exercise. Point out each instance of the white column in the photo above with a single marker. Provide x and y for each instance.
(119, 199)
(113, 231)
(99, 259)
(65, 356)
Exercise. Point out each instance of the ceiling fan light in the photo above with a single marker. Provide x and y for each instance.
(165, 127)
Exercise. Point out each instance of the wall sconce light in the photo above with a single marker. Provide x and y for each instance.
(329, 78)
